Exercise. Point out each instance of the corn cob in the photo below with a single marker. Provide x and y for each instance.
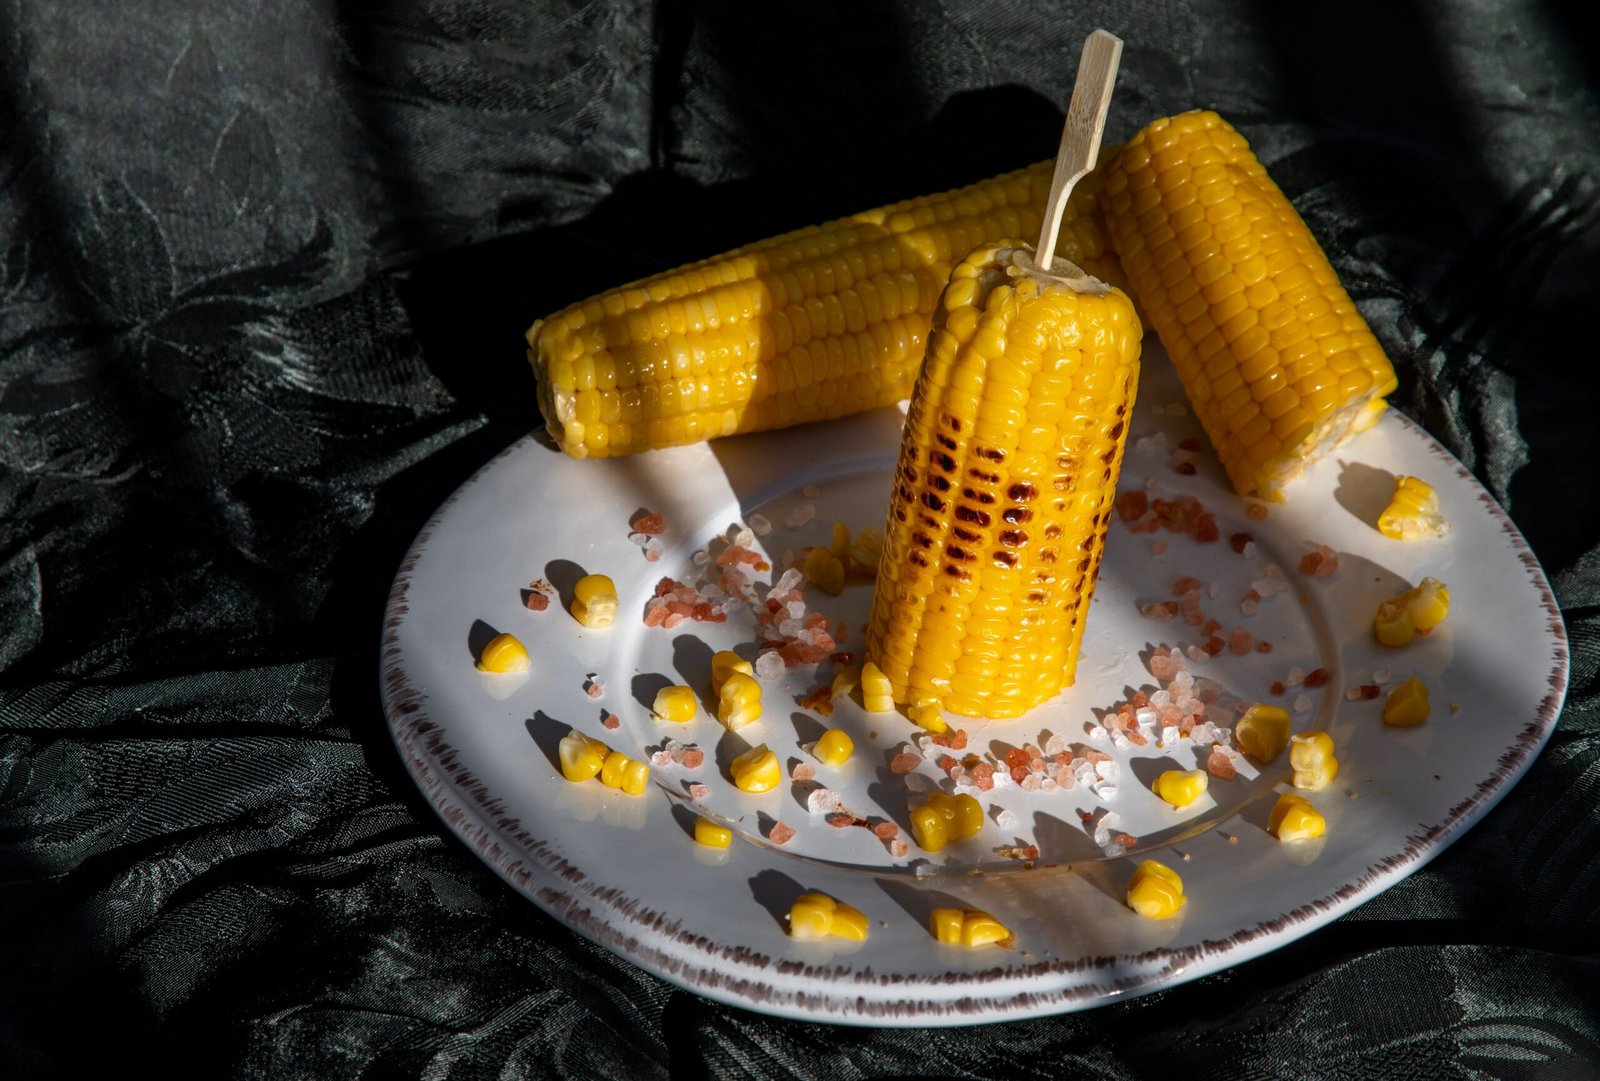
(1278, 364)
(1007, 472)
(814, 324)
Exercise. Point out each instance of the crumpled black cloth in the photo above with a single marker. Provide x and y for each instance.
(264, 270)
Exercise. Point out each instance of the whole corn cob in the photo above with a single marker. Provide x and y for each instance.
(814, 324)
(1278, 364)
(1007, 471)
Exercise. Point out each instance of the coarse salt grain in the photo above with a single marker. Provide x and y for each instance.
(1380, 676)
(769, 665)
(1106, 791)
(800, 516)
(781, 834)
(822, 800)
(803, 771)
(609, 719)
(1004, 818)
(701, 791)
(1296, 676)
(899, 849)
(1170, 734)
(1301, 704)
(700, 558)
(661, 758)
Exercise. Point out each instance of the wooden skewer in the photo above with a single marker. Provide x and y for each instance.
(1080, 136)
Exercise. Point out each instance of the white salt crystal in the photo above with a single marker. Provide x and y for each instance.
(1082, 769)
(769, 665)
(967, 788)
(1161, 698)
(1203, 733)
(796, 609)
(1215, 590)
(1004, 818)
(1120, 741)
(1097, 732)
(661, 758)
(1170, 734)
(1301, 704)
(790, 628)
(744, 538)
(760, 524)
(1380, 676)
(640, 539)
(1002, 779)
(1106, 791)
(822, 800)
(1109, 770)
(1054, 745)
(789, 579)
(1047, 784)
(921, 782)
(800, 516)
(1196, 654)
(700, 558)
(1146, 717)
(1249, 549)
(1296, 676)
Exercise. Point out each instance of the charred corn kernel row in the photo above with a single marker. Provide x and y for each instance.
(1293, 818)
(1416, 611)
(1006, 476)
(725, 663)
(583, 758)
(816, 915)
(1181, 787)
(1413, 513)
(711, 835)
(594, 601)
(1155, 891)
(876, 694)
(967, 927)
(504, 653)
(835, 747)
(1407, 704)
(817, 323)
(739, 701)
(756, 770)
(1278, 364)
(1262, 732)
(1311, 757)
(824, 570)
(676, 704)
(927, 715)
(942, 818)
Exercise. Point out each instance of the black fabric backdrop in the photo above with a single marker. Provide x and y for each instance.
(264, 272)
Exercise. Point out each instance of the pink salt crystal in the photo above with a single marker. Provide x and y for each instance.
(594, 688)
(1220, 766)
(904, 762)
(672, 620)
(1158, 547)
(1094, 756)
(700, 791)
(1192, 612)
(782, 833)
(1162, 665)
(655, 614)
(1063, 776)
(609, 719)
(652, 555)
(899, 849)
(693, 759)
(1240, 642)
(1251, 603)
(1029, 783)
(886, 831)
(804, 771)
(1036, 765)
(1162, 612)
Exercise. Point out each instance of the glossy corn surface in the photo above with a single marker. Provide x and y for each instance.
(1263, 731)
(818, 323)
(835, 747)
(1413, 512)
(504, 654)
(725, 663)
(1278, 364)
(1155, 891)
(739, 701)
(1293, 818)
(968, 927)
(756, 770)
(675, 704)
(1407, 705)
(1007, 470)
(594, 601)
(1312, 759)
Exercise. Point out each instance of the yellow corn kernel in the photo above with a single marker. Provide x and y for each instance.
(1263, 732)
(928, 828)
(927, 715)
(967, 927)
(1181, 787)
(840, 548)
(943, 818)
(811, 916)
(1415, 611)
(1413, 513)
(739, 701)
(835, 747)
(725, 663)
(504, 654)
(1276, 360)
(1311, 757)
(1392, 624)
(824, 571)
(1006, 474)
(621, 772)
(1429, 604)
(806, 326)
(945, 923)
(676, 704)
(845, 680)
(1293, 818)
(711, 835)
(1155, 891)
(866, 550)
(594, 601)
(1407, 704)
(876, 694)
(581, 757)
(848, 922)
(756, 770)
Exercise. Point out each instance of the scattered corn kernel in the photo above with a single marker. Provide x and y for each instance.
(1263, 731)
(943, 818)
(844, 681)
(867, 550)
(824, 570)
(725, 663)
(739, 701)
(876, 694)
(927, 715)
(1407, 704)
(594, 601)
(1293, 818)
(504, 654)
(816, 915)
(1155, 891)
(840, 548)
(675, 704)
(1181, 787)
(1413, 513)
(1311, 757)
(756, 770)
(581, 757)
(967, 927)
(621, 772)
(835, 747)
(1416, 611)
(711, 835)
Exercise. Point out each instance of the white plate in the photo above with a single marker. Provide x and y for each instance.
(623, 870)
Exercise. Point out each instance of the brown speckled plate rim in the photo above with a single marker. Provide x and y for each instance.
(740, 976)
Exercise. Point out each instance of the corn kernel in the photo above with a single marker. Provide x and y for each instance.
(1293, 818)
(928, 828)
(1311, 758)
(845, 681)
(816, 915)
(942, 818)
(1392, 624)
(1181, 787)
(581, 757)
(1429, 604)
(739, 701)
(711, 835)
(1155, 891)
(835, 747)
(594, 601)
(967, 927)
(848, 922)
(504, 654)
(1263, 732)
(867, 550)
(1415, 611)
(756, 770)
(676, 704)
(725, 663)
(1407, 704)
(876, 694)
(840, 548)
(945, 923)
(1413, 513)
(824, 571)
(927, 715)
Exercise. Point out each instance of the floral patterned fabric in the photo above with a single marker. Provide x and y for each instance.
(264, 270)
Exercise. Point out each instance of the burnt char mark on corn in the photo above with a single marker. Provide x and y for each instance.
(978, 518)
